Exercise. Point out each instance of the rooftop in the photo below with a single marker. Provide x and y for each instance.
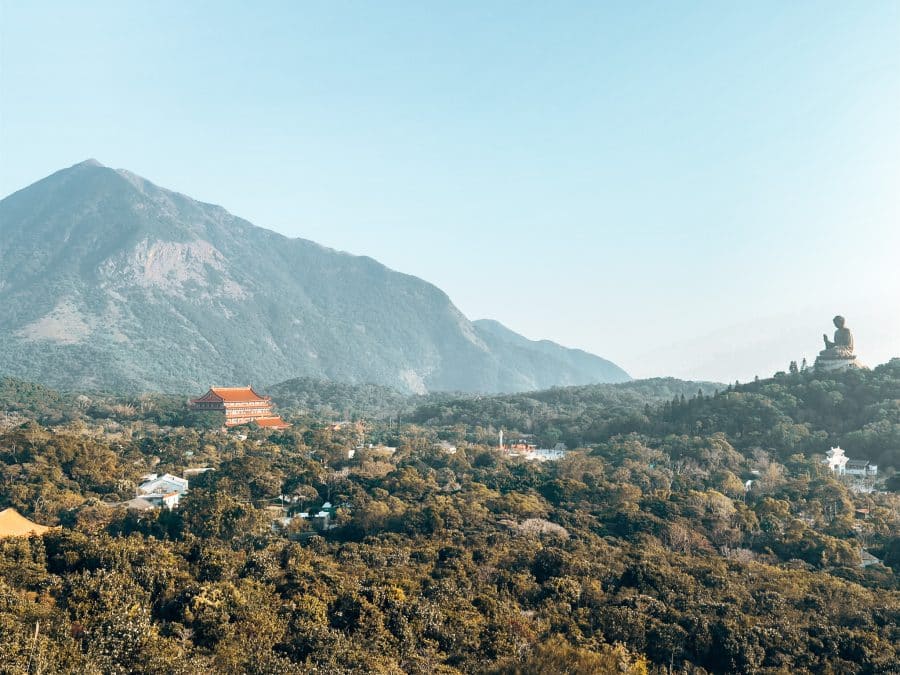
(272, 422)
(137, 504)
(232, 395)
(167, 478)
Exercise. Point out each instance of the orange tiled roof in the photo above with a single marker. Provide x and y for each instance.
(272, 422)
(232, 395)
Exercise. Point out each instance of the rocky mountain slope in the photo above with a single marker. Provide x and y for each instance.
(109, 281)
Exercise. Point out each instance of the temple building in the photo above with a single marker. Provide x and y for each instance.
(842, 465)
(836, 460)
(240, 405)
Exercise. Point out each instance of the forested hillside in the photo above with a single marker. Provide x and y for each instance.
(575, 415)
(329, 399)
(801, 413)
(643, 550)
(791, 413)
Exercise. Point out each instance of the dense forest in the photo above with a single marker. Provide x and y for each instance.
(692, 528)
(791, 413)
(338, 400)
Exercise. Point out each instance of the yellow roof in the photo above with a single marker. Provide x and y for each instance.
(14, 524)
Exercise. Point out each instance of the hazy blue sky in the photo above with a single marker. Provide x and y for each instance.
(686, 188)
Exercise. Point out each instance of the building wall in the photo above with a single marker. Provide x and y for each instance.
(237, 412)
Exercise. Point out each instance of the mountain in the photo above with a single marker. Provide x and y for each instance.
(109, 281)
(543, 360)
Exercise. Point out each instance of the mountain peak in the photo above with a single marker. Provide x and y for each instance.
(86, 163)
(114, 282)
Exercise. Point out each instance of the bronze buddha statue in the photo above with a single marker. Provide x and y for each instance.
(842, 346)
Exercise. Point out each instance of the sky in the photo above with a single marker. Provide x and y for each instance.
(689, 189)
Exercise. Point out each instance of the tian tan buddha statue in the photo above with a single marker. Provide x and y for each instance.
(838, 354)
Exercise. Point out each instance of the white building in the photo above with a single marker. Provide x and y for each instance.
(861, 467)
(322, 519)
(842, 465)
(535, 454)
(164, 484)
(149, 502)
(547, 454)
(836, 460)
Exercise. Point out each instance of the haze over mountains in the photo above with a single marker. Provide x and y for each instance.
(109, 281)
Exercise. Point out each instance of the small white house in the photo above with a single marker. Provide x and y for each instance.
(836, 460)
(163, 485)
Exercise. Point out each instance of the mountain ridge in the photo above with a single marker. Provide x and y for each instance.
(113, 281)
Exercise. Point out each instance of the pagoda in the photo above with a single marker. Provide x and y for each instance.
(241, 405)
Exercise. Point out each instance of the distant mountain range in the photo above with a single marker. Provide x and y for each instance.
(108, 281)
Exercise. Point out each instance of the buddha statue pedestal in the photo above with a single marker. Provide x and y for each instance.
(837, 365)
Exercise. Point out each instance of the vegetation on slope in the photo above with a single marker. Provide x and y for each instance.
(643, 552)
